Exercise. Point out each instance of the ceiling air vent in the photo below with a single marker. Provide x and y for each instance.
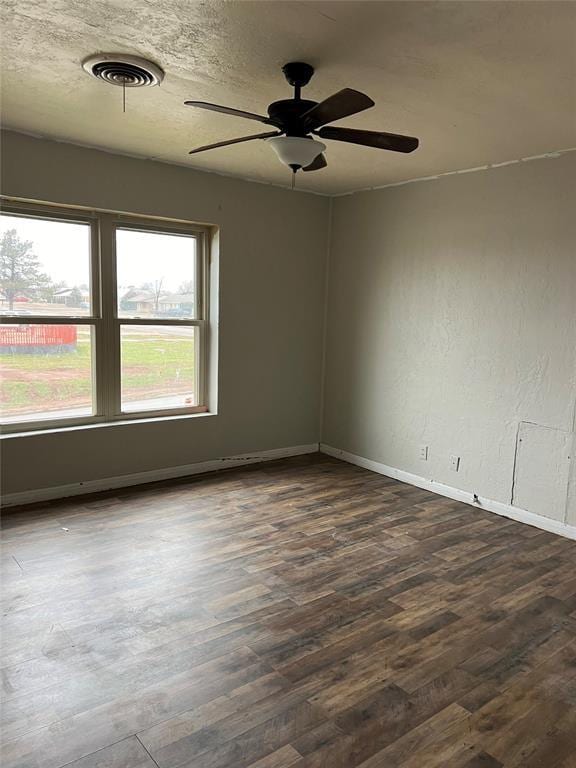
(123, 69)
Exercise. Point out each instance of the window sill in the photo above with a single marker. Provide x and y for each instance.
(105, 425)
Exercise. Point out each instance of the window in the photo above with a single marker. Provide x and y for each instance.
(102, 318)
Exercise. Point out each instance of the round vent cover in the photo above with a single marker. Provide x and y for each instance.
(123, 69)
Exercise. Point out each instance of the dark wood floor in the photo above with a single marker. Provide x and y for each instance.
(305, 613)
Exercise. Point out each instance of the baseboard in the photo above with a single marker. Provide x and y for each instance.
(154, 475)
(506, 510)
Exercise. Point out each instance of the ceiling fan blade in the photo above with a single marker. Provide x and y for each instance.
(228, 111)
(317, 164)
(267, 135)
(342, 104)
(392, 141)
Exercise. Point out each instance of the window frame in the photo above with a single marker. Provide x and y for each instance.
(104, 320)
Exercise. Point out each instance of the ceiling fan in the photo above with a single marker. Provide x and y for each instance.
(297, 120)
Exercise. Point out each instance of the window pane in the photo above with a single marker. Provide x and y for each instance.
(45, 372)
(156, 274)
(44, 267)
(158, 367)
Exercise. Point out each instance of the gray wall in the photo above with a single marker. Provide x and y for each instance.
(451, 322)
(273, 246)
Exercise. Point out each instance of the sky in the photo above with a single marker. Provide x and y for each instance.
(63, 251)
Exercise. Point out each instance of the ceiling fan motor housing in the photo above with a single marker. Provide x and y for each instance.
(286, 114)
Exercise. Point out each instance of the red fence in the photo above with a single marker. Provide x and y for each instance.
(37, 335)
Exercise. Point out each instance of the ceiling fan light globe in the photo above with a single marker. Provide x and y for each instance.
(295, 151)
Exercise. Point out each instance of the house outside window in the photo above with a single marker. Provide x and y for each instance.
(102, 317)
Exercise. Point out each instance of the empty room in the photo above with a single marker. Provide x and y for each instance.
(288, 384)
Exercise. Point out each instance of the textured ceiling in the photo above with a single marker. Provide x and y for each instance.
(478, 82)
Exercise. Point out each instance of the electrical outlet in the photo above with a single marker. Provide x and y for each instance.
(455, 463)
(423, 452)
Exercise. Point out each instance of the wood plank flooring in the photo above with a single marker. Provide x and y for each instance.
(304, 613)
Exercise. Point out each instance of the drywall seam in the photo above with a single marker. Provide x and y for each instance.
(154, 475)
(325, 320)
(572, 473)
(546, 156)
(489, 505)
(156, 159)
(514, 463)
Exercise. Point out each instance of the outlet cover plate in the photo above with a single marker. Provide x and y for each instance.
(455, 463)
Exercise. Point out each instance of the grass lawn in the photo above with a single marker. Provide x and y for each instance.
(153, 364)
